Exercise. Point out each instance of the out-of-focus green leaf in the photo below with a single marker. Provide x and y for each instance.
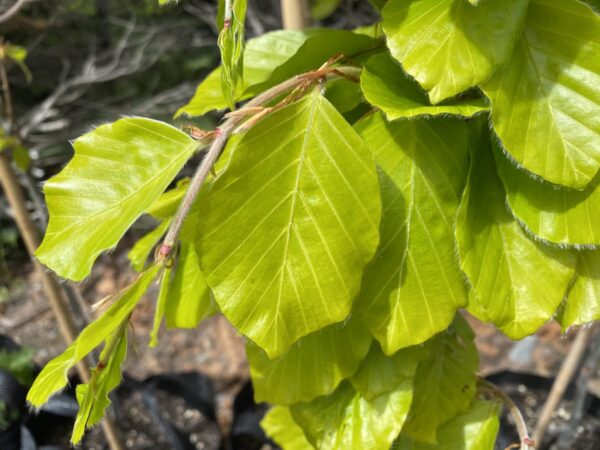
(93, 397)
(117, 172)
(583, 302)
(19, 363)
(138, 255)
(475, 429)
(305, 187)
(517, 283)
(21, 158)
(188, 300)
(320, 9)
(449, 46)
(413, 287)
(386, 86)
(546, 101)
(445, 382)
(346, 420)
(53, 376)
(231, 43)
(18, 54)
(312, 367)
(280, 426)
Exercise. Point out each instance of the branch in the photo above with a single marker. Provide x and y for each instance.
(12, 10)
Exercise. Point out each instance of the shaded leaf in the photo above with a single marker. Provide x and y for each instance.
(346, 420)
(117, 172)
(449, 46)
(413, 287)
(583, 302)
(305, 187)
(167, 204)
(161, 301)
(445, 382)
(517, 282)
(320, 9)
(386, 86)
(546, 101)
(280, 426)
(139, 253)
(53, 376)
(312, 367)
(231, 45)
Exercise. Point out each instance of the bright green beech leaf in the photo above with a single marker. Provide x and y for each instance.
(167, 204)
(564, 216)
(583, 301)
(386, 86)
(93, 397)
(517, 283)
(312, 367)
(445, 382)
(138, 255)
(413, 287)
(231, 45)
(53, 376)
(379, 373)
(546, 101)
(280, 426)
(188, 299)
(449, 46)
(288, 228)
(475, 429)
(161, 301)
(117, 172)
(346, 420)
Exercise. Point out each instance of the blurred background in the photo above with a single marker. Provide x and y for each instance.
(90, 62)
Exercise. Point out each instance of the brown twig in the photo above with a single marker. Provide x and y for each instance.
(526, 442)
(295, 14)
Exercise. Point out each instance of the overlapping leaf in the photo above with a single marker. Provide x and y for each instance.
(475, 429)
(346, 420)
(231, 44)
(117, 172)
(413, 287)
(546, 101)
(517, 283)
(289, 227)
(386, 86)
(314, 366)
(138, 255)
(280, 426)
(583, 302)
(449, 46)
(444, 384)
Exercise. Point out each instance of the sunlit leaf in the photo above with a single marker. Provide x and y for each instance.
(475, 429)
(546, 101)
(413, 287)
(161, 302)
(280, 426)
(583, 302)
(139, 253)
(346, 420)
(53, 376)
(517, 282)
(312, 367)
(386, 86)
(449, 46)
(188, 299)
(117, 172)
(231, 45)
(444, 384)
(166, 205)
(309, 225)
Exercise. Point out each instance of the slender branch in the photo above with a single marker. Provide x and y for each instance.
(295, 14)
(12, 10)
(567, 369)
(227, 129)
(526, 442)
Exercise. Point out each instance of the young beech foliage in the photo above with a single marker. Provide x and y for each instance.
(378, 181)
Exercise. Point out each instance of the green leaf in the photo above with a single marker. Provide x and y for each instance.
(139, 253)
(546, 101)
(53, 376)
(305, 188)
(475, 429)
(188, 300)
(167, 204)
(231, 45)
(161, 302)
(449, 46)
(386, 86)
(117, 172)
(280, 426)
(18, 54)
(312, 367)
(93, 397)
(346, 420)
(320, 9)
(564, 216)
(517, 282)
(19, 363)
(413, 287)
(583, 302)
(379, 373)
(445, 382)
(21, 158)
